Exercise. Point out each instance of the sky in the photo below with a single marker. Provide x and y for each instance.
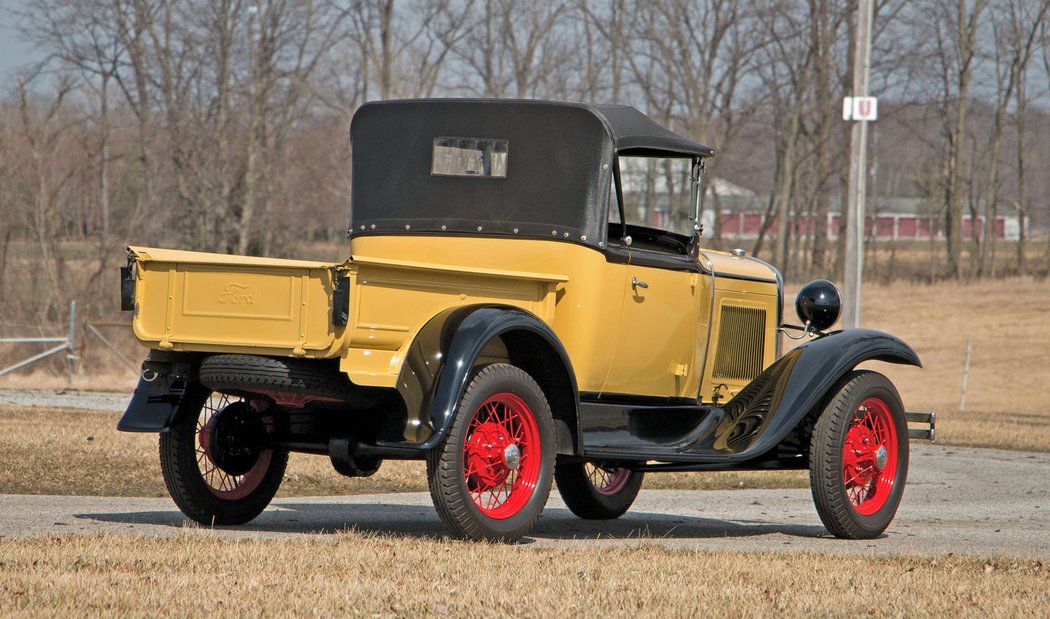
(13, 53)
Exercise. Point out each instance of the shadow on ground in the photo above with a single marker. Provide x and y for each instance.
(422, 522)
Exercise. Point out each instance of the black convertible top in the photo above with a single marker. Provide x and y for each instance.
(633, 131)
(552, 179)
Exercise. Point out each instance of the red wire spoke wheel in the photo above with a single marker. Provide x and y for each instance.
(216, 457)
(491, 475)
(859, 457)
(869, 457)
(607, 481)
(498, 466)
(230, 463)
(597, 490)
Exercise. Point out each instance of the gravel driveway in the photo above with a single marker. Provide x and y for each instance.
(959, 499)
(54, 398)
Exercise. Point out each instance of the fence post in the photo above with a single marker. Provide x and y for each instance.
(966, 372)
(71, 352)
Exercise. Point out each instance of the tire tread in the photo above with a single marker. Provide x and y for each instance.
(826, 484)
(301, 376)
(584, 501)
(178, 461)
(443, 463)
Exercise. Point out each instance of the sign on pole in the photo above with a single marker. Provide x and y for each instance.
(860, 108)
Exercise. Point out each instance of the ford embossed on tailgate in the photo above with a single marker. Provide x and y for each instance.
(215, 302)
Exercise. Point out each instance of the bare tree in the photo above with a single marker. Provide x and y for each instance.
(230, 79)
(787, 74)
(512, 47)
(82, 39)
(831, 41)
(955, 27)
(395, 50)
(606, 34)
(45, 134)
(1016, 27)
(10, 204)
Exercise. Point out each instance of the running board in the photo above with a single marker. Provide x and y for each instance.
(927, 419)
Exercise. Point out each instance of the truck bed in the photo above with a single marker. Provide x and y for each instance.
(214, 302)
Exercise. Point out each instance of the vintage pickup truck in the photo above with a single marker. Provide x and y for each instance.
(526, 300)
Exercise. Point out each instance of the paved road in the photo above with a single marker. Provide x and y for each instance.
(963, 500)
(66, 398)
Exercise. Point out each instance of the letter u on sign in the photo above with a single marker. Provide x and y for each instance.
(860, 108)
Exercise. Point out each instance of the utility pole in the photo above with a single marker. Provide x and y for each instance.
(859, 112)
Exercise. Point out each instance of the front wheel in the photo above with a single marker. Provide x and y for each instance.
(597, 491)
(491, 476)
(215, 461)
(859, 457)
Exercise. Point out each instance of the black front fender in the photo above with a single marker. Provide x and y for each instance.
(771, 406)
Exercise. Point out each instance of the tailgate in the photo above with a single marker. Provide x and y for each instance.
(219, 303)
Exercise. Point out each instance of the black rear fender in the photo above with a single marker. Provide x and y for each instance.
(166, 376)
(448, 350)
(154, 405)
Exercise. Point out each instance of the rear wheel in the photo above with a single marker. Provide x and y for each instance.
(491, 476)
(859, 457)
(597, 491)
(215, 462)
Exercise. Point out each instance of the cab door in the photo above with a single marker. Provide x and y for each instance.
(665, 319)
(658, 350)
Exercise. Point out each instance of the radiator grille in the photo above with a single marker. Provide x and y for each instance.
(741, 342)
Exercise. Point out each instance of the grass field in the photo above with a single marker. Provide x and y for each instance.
(1005, 321)
(379, 576)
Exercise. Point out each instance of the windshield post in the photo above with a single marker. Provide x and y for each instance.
(695, 195)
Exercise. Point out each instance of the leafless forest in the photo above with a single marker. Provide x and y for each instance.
(221, 125)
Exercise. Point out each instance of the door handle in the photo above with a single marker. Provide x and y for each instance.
(637, 283)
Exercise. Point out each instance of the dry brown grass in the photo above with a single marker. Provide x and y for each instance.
(63, 451)
(1006, 405)
(367, 575)
(1003, 430)
(1010, 356)
(918, 261)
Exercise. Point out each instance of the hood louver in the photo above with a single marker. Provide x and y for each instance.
(741, 343)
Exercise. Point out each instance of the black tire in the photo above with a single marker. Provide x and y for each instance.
(215, 489)
(596, 492)
(282, 378)
(480, 490)
(857, 492)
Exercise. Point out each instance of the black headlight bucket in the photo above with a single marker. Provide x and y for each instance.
(818, 304)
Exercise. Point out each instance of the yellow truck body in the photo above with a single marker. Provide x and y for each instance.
(193, 301)
(525, 298)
